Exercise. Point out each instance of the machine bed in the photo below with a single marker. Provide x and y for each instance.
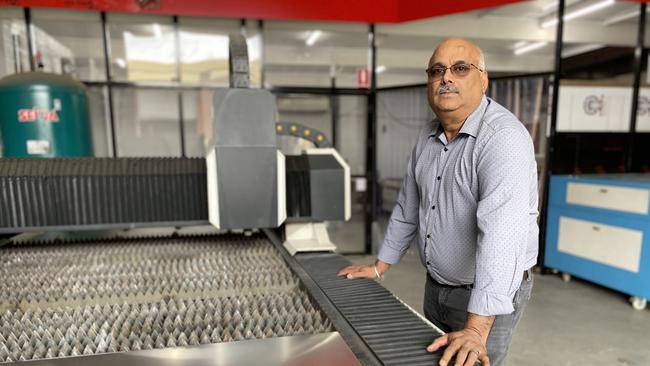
(129, 300)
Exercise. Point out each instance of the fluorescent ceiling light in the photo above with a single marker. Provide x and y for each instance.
(313, 37)
(621, 17)
(380, 69)
(579, 12)
(519, 44)
(529, 47)
(589, 9)
(120, 62)
(549, 23)
(157, 31)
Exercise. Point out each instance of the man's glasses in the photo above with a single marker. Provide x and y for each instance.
(436, 72)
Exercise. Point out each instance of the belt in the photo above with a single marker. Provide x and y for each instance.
(469, 286)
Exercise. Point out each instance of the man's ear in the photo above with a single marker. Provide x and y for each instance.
(485, 81)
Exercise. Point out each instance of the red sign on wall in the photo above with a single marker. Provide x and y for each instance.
(363, 78)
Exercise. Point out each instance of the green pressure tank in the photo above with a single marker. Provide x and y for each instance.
(44, 115)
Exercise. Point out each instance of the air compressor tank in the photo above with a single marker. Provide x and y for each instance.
(44, 115)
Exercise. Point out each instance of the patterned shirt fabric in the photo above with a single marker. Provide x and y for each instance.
(472, 204)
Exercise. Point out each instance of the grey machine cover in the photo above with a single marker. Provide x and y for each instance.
(245, 169)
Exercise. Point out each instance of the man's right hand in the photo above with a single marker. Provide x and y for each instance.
(358, 272)
(365, 271)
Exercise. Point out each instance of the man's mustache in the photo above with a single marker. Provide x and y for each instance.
(447, 88)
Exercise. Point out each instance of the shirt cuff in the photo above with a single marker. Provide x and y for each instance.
(488, 304)
(388, 254)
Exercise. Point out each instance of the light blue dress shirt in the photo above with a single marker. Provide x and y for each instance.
(472, 203)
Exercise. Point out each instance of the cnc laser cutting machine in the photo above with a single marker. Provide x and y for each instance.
(256, 287)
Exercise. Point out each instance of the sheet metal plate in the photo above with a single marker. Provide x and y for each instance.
(314, 350)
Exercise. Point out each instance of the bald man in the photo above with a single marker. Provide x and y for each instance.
(469, 197)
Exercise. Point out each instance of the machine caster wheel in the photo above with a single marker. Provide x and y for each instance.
(638, 303)
(566, 277)
(554, 271)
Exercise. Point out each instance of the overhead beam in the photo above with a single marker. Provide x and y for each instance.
(366, 11)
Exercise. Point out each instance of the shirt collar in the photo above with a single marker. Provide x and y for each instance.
(471, 125)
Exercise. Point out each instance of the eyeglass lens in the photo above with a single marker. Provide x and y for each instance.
(436, 72)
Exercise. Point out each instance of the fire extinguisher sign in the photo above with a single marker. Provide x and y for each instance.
(363, 78)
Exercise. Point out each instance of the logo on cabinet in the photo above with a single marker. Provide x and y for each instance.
(37, 114)
(594, 105)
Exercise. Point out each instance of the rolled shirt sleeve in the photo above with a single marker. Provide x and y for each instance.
(403, 222)
(504, 173)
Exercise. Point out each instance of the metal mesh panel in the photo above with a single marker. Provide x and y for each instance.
(119, 295)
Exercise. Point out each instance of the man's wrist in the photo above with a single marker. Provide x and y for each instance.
(479, 324)
(377, 274)
(381, 267)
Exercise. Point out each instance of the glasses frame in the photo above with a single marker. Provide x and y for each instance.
(450, 68)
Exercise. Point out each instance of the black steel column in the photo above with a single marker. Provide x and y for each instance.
(559, 39)
(109, 81)
(638, 65)
(177, 46)
(334, 107)
(371, 144)
(30, 38)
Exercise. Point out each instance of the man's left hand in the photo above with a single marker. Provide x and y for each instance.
(467, 345)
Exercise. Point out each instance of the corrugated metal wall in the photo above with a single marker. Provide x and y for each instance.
(401, 113)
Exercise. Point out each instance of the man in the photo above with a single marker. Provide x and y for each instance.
(470, 197)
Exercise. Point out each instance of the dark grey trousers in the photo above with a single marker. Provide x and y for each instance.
(446, 307)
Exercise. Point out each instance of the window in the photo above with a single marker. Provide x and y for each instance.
(146, 122)
(14, 54)
(204, 49)
(143, 48)
(310, 54)
(61, 48)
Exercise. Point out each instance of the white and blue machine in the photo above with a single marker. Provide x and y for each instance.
(598, 229)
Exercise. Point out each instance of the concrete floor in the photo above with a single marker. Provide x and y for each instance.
(566, 324)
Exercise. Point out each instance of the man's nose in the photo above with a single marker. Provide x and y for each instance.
(446, 77)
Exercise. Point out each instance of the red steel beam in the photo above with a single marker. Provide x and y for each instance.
(367, 11)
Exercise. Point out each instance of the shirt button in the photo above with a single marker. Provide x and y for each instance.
(446, 149)
(433, 207)
(428, 236)
(428, 264)
(438, 178)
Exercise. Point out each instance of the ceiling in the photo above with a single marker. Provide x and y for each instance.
(403, 49)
